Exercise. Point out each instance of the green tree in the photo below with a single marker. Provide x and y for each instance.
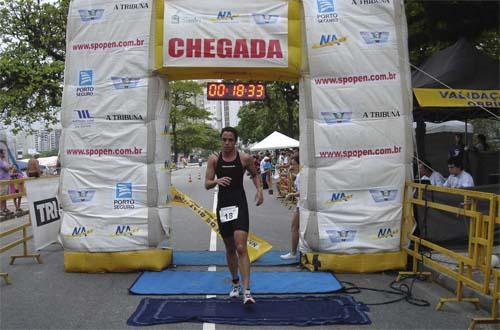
(186, 118)
(33, 34)
(278, 112)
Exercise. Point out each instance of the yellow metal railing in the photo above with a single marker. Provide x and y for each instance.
(24, 228)
(481, 229)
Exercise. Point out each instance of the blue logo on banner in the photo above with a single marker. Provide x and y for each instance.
(85, 78)
(124, 190)
(90, 14)
(325, 6)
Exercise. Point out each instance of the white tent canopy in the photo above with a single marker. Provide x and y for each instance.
(276, 141)
(452, 126)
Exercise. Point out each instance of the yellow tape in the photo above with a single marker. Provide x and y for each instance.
(435, 97)
(256, 246)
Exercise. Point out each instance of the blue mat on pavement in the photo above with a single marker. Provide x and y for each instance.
(176, 282)
(303, 311)
(218, 258)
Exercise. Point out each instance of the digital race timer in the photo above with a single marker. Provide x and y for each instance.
(236, 91)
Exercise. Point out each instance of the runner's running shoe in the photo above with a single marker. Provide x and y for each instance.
(247, 298)
(235, 291)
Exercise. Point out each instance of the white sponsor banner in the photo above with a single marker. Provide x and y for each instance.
(108, 19)
(338, 236)
(101, 233)
(225, 34)
(45, 212)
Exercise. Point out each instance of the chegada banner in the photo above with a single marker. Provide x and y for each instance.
(226, 34)
(45, 210)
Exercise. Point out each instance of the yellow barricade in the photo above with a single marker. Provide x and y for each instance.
(256, 246)
(24, 228)
(481, 227)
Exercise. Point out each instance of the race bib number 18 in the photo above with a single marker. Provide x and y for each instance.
(229, 213)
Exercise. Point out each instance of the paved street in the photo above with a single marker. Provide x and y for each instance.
(45, 297)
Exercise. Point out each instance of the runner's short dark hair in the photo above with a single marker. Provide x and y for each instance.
(456, 161)
(296, 158)
(230, 129)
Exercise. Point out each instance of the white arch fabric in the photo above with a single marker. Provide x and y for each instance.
(114, 146)
(275, 140)
(355, 120)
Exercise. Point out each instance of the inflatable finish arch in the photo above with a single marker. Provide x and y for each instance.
(351, 59)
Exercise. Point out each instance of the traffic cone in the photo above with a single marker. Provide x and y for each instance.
(190, 179)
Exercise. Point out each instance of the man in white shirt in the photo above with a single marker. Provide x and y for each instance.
(458, 177)
(427, 173)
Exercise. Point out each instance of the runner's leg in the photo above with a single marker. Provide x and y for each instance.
(231, 257)
(240, 240)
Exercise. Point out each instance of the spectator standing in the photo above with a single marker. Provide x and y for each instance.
(294, 167)
(457, 149)
(15, 188)
(481, 144)
(4, 188)
(33, 169)
(458, 177)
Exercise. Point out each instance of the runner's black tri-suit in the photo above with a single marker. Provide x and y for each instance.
(232, 195)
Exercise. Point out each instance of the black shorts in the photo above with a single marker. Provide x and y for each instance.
(227, 229)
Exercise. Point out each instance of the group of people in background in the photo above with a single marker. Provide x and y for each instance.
(458, 178)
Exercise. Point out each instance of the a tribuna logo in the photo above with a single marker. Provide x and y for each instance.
(124, 117)
(381, 114)
(369, 2)
(131, 6)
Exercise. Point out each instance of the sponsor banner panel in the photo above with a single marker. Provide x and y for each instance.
(356, 173)
(99, 69)
(366, 102)
(435, 97)
(119, 95)
(104, 141)
(368, 139)
(104, 233)
(162, 139)
(165, 215)
(338, 236)
(331, 12)
(164, 181)
(45, 210)
(109, 18)
(108, 189)
(222, 34)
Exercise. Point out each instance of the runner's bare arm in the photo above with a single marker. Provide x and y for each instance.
(210, 180)
(250, 167)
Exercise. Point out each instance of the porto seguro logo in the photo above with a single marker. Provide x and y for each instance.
(326, 12)
(88, 15)
(85, 83)
(123, 196)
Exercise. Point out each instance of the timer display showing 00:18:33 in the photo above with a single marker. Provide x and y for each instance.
(241, 91)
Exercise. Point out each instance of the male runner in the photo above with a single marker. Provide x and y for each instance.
(232, 208)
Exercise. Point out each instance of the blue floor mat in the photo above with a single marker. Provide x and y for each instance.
(218, 258)
(176, 282)
(303, 311)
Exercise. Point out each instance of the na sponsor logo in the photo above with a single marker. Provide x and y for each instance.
(372, 38)
(341, 236)
(125, 82)
(125, 230)
(88, 15)
(387, 232)
(328, 40)
(78, 196)
(383, 195)
(225, 16)
(81, 231)
(339, 197)
(332, 118)
(261, 19)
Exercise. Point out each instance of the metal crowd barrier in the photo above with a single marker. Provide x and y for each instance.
(481, 227)
(24, 228)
